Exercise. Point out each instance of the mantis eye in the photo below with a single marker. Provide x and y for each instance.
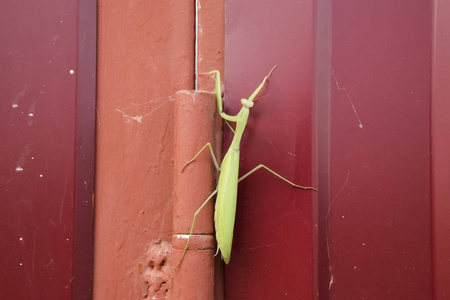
(247, 103)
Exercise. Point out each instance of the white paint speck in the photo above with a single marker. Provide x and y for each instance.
(20, 264)
(15, 105)
(72, 72)
(21, 239)
(32, 157)
(41, 175)
(354, 267)
(182, 236)
(67, 239)
(364, 244)
(30, 114)
(343, 217)
(19, 169)
(331, 282)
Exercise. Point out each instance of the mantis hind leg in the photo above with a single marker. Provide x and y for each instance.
(192, 227)
(212, 155)
(276, 174)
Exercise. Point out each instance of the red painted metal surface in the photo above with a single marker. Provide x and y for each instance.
(85, 150)
(322, 110)
(39, 190)
(373, 146)
(145, 55)
(274, 245)
(379, 234)
(440, 149)
(196, 121)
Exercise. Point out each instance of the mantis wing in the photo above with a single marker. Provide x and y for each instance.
(225, 211)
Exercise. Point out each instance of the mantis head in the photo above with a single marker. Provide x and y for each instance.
(247, 103)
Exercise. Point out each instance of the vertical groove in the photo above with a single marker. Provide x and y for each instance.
(85, 150)
(322, 98)
(196, 47)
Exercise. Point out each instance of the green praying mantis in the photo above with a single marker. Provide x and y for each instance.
(225, 207)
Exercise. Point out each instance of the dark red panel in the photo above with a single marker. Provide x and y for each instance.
(374, 139)
(38, 91)
(273, 250)
(379, 203)
(85, 150)
(323, 86)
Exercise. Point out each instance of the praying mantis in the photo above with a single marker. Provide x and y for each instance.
(225, 207)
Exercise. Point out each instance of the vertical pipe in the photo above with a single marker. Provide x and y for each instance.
(195, 123)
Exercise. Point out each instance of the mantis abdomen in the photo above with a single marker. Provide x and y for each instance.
(225, 210)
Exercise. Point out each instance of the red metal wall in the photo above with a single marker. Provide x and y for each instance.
(47, 152)
(379, 230)
(370, 125)
(47, 94)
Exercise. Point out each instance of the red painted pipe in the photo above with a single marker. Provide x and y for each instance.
(195, 125)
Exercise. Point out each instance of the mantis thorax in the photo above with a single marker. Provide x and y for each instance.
(240, 127)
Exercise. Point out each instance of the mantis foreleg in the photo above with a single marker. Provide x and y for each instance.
(219, 99)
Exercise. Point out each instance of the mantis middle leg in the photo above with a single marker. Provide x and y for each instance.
(198, 153)
(276, 174)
